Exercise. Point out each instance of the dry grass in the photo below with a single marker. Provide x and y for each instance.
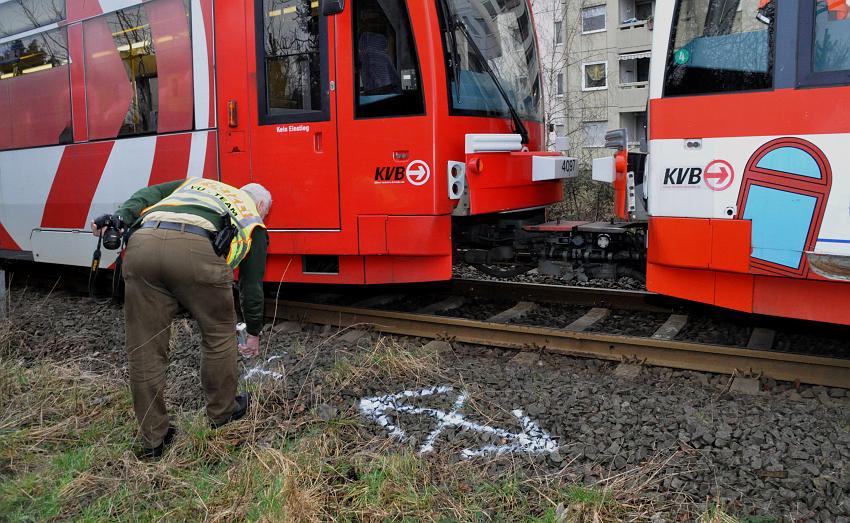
(67, 438)
(389, 358)
(66, 442)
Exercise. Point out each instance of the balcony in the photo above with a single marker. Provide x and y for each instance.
(633, 96)
(634, 35)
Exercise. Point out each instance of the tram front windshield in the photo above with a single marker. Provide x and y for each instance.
(502, 30)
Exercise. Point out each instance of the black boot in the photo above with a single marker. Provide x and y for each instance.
(156, 452)
(243, 401)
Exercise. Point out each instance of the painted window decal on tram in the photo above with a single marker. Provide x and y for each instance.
(783, 194)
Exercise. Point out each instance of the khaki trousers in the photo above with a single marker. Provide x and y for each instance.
(162, 270)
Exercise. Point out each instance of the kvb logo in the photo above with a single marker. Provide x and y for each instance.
(418, 172)
(391, 174)
(682, 176)
(717, 176)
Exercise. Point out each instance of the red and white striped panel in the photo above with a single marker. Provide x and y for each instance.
(48, 196)
(202, 48)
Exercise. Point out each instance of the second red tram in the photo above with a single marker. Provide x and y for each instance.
(745, 187)
(372, 122)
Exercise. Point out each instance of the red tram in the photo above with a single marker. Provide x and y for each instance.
(373, 123)
(745, 186)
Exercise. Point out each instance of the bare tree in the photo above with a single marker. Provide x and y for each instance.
(572, 107)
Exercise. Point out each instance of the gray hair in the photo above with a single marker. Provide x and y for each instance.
(258, 193)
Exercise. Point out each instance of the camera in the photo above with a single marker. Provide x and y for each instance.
(111, 236)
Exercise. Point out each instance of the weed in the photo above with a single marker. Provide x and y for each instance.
(716, 514)
(389, 358)
(66, 451)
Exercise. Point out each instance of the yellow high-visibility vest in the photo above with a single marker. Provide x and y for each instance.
(223, 199)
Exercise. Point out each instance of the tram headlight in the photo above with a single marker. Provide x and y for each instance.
(603, 241)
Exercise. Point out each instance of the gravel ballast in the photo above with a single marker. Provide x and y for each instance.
(782, 452)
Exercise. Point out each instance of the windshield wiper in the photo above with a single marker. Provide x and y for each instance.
(519, 127)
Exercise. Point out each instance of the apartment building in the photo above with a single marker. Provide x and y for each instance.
(595, 57)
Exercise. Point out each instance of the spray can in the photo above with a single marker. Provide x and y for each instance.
(241, 334)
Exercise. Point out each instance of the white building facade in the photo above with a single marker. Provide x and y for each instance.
(595, 58)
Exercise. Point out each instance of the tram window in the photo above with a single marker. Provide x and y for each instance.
(386, 71)
(717, 46)
(503, 33)
(35, 91)
(831, 46)
(291, 59)
(18, 16)
(132, 33)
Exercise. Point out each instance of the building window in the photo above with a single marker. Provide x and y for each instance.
(593, 133)
(595, 76)
(386, 71)
(24, 15)
(633, 69)
(560, 130)
(643, 9)
(559, 38)
(634, 11)
(635, 125)
(593, 19)
(559, 87)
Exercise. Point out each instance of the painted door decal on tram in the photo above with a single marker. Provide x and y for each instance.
(784, 191)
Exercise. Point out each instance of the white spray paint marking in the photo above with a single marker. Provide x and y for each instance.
(260, 371)
(428, 446)
(532, 439)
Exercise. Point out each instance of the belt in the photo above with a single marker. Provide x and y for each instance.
(183, 227)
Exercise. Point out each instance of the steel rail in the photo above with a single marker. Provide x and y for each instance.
(815, 370)
(590, 296)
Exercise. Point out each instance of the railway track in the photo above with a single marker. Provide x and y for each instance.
(660, 349)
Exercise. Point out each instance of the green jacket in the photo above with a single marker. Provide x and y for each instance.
(252, 269)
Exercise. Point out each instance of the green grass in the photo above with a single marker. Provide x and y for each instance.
(66, 453)
(67, 440)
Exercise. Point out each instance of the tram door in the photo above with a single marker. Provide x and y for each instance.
(280, 128)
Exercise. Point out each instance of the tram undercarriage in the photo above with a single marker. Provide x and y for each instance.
(520, 242)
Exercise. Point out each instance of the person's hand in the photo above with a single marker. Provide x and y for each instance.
(99, 224)
(251, 347)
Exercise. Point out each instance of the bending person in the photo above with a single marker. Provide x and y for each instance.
(170, 260)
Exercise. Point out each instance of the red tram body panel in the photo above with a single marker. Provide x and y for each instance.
(351, 118)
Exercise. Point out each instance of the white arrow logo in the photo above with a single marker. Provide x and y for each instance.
(418, 172)
(532, 439)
